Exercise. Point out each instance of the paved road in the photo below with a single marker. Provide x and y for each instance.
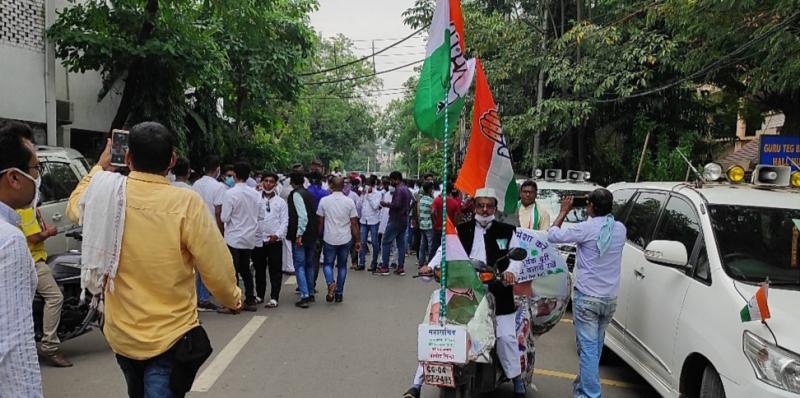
(363, 347)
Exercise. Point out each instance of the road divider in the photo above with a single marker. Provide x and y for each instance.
(209, 376)
(570, 376)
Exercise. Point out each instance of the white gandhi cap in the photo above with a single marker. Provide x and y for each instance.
(486, 193)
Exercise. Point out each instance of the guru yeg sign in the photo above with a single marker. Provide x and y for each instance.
(775, 149)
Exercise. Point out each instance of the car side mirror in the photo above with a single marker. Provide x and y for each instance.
(669, 253)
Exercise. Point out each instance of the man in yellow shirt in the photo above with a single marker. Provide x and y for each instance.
(151, 313)
(36, 233)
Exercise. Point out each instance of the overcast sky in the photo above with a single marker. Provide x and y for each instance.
(380, 20)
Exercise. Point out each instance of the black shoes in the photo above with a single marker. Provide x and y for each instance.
(302, 303)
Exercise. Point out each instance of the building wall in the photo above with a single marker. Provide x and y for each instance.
(22, 75)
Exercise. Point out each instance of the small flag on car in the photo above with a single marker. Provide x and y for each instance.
(757, 308)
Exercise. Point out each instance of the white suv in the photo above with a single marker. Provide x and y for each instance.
(62, 169)
(693, 259)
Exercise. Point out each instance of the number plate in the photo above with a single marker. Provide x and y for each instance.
(439, 374)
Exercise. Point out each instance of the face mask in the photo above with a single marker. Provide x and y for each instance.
(37, 182)
(229, 181)
(171, 177)
(484, 221)
(269, 191)
(391, 189)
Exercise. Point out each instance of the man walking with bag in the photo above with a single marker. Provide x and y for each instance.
(148, 241)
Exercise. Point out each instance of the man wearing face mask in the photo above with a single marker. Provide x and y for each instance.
(228, 177)
(268, 253)
(487, 240)
(19, 183)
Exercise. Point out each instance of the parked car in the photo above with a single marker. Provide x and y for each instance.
(693, 258)
(551, 192)
(62, 169)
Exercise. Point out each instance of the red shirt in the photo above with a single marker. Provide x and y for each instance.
(453, 210)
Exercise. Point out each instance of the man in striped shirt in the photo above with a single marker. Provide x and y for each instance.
(19, 183)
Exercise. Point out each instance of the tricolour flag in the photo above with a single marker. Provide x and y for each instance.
(445, 69)
(487, 163)
(757, 308)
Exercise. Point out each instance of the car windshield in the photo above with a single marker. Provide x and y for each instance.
(758, 243)
(551, 199)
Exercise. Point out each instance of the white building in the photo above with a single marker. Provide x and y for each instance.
(35, 88)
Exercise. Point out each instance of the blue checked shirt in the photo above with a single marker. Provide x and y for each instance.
(19, 367)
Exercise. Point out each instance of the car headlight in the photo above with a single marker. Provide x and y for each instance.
(773, 365)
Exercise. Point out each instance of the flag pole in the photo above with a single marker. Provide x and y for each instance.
(445, 192)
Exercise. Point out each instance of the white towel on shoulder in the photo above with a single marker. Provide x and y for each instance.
(102, 215)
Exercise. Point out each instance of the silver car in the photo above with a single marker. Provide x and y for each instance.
(62, 169)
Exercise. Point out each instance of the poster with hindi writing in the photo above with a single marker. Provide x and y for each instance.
(542, 260)
(447, 344)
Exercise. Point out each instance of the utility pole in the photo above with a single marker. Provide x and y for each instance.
(374, 69)
(540, 93)
(419, 154)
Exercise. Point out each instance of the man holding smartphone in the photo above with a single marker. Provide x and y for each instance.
(151, 323)
(599, 242)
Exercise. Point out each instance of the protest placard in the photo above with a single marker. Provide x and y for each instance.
(447, 344)
(543, 259)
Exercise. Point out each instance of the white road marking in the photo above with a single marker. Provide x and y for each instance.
(291, 280)
(206, 380)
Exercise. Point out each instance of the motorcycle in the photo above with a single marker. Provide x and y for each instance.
(78, 314)
(536, 314)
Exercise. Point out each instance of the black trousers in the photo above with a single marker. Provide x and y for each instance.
(241, 261)
(269, 257)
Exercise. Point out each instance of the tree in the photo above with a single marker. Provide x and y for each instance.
(750, 49)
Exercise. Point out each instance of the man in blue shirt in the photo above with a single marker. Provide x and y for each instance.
(317, 192)
(599, 241)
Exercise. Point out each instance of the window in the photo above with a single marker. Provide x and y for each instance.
(702, 270)
(679, 223)
(620, 206)
(641, 220)
(58, 181)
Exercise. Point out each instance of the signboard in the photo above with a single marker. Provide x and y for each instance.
(775, 149)
(543, 259)
(438, 374)
(446, 343)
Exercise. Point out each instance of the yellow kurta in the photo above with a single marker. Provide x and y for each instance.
(168, 233)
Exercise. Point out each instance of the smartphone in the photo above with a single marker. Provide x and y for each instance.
(580, 201)
(119, 146)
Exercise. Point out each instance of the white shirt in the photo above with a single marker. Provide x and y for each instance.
(478, 244)
(386, 196)
(19, 366)
(241, 213)
(276, 221)
(371, 208)
(181, 184)
(337, 210)
(211, 191)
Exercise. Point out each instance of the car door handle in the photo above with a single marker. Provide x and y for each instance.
(639, 274)
(57, 217)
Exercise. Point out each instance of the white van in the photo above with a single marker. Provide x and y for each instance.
(694, 257)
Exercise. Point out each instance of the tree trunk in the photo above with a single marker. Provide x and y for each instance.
(135, 70)
(791, 125)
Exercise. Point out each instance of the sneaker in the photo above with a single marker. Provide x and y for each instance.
(331, 290)
(259, 300)
(56, 359)
(223, 310)
(385, 271)
(302, 303)
(272, 303)
(339, 298)
(250, 307)
(412, 392)
(400, 271)
(205, 306)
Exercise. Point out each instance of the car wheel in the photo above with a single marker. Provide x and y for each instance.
(711, 386)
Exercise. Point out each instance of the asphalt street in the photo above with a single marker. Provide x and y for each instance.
(363, 347)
